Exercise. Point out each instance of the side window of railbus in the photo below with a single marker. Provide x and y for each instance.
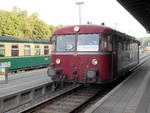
(46, 50)
(128, 45)
(53, 42)
(2, 50)
(120, 46)
(37, 50)
(106, 43)
(14, 50)
(27, 50)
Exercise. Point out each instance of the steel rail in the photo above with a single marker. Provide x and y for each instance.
(79, 106)
(69, 102)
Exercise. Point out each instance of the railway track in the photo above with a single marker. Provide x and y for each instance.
(76, 100)
(72, 101)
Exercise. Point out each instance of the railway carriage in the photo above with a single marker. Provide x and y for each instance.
(24, 54)
(147, 48)
(91, 54)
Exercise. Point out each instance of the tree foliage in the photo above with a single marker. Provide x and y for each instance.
(19, 24)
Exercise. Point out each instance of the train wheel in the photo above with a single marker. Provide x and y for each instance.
(54, 86)
(62, 84)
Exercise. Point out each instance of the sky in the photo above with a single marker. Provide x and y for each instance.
(66, 12)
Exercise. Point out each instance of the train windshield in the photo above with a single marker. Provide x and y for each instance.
(65, 43)
(85, 42)
(88, 42)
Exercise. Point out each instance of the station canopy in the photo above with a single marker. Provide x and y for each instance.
(140, 9)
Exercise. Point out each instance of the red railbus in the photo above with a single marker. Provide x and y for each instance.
(91, 54)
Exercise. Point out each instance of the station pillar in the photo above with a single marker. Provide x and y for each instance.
(3, 72)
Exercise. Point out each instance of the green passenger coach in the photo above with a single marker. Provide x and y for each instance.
(22, 54)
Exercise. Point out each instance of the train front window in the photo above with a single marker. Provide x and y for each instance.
(88, 42)
(65, 43)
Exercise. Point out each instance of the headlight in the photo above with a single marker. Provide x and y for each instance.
(94, 62)
(58, 61)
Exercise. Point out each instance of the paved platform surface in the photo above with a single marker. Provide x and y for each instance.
(24, 80)
(131, 96)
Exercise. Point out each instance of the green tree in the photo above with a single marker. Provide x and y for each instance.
(41, 30)
(19, 24)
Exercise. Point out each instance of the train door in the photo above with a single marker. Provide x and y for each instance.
(108, 45)
(122, 55)
(114, 56)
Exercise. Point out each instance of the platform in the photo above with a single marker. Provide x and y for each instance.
(23, 90)
(131, 96)
(24, 80)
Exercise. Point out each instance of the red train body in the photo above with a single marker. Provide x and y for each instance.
(91, 54)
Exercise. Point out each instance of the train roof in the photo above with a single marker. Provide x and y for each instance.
(86, 29)
(21, 40)
(83, 29)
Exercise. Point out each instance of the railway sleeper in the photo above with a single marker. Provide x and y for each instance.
(53, 110)
(72, 100)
